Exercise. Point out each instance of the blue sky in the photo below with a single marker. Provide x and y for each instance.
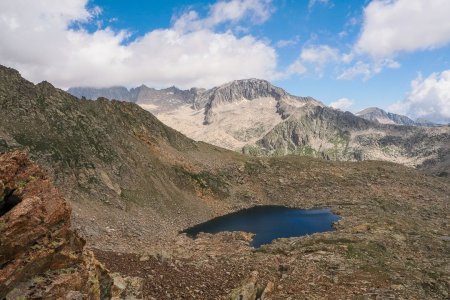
(394, 54)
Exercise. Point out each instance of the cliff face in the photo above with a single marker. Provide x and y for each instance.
(40, 256)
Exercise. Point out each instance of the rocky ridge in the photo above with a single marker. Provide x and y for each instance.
(376, 114)
(161, 100)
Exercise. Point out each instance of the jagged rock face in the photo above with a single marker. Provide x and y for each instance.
(378, 115)
(40, 256)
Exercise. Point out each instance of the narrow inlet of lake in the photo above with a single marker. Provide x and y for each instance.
(270, 222)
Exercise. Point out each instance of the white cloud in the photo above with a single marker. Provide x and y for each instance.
(37, 39)
(367, 69)
(391, 27)
(429, 98)
(319, 55)
(288, 43)
(342, 104)
(295, 68)
(258, 11)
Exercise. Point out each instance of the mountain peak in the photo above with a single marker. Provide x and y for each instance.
(238, 90)
(379, 115)
(249, 89)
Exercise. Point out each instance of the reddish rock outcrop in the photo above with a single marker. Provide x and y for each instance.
(40, 256)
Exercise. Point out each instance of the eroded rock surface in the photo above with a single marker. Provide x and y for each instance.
(40, 256)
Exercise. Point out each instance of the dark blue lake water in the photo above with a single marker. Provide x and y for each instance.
(269, 223)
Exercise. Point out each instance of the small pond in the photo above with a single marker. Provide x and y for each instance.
(269, 223)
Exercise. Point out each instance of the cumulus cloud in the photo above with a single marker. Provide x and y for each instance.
(391, 27)
(39, 38)
(367, 69)
(429, 98)
(320, 54)
(234, 11)
(342, 104)
(316, 56)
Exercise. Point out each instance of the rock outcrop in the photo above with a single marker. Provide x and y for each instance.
(40, 256)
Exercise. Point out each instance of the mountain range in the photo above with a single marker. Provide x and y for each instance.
(134, 183)
(254, 117)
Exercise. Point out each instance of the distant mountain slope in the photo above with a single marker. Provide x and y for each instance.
(258, 118)
(234, 114)
(378, 115)
(115, 92)
(150, 98)
(335, 135)
(231, 115)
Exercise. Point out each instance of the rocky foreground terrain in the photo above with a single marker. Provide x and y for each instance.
(257, 118)
(134, 184)
(40, 256)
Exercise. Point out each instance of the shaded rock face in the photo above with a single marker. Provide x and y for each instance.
(40, 256)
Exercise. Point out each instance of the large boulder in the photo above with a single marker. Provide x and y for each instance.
(40, 256)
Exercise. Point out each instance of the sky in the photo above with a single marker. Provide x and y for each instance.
(392, 54)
